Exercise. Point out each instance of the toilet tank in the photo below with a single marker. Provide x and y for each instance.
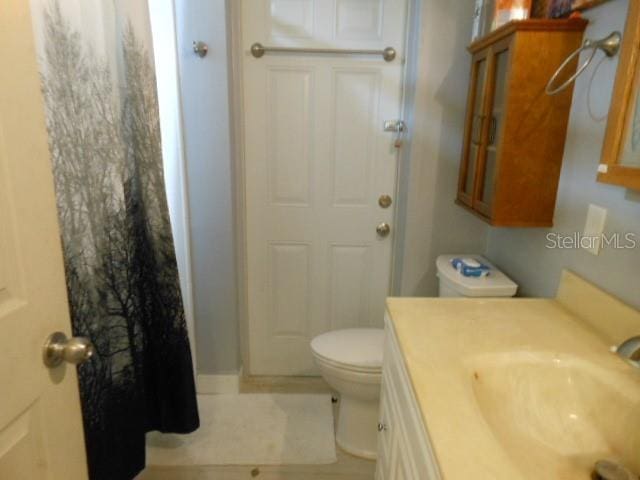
(454, 284)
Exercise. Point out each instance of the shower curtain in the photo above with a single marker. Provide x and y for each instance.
(122, 279)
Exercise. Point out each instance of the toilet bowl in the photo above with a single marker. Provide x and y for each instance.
(351, 363)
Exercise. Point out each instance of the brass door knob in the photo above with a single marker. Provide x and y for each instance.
(58, 348)
(383, 229)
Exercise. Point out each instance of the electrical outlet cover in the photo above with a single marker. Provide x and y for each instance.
(594, 228)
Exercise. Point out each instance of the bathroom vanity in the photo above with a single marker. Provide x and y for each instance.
(494, 389)
(404, 449)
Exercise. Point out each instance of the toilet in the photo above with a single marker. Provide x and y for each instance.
(350, 360)
(351, 363)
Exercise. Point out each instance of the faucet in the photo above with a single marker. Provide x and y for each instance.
(630, 349)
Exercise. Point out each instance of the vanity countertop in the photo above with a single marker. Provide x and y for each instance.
(450, 347)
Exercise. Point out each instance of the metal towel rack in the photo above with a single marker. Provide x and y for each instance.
(258, 50)
(200, 48)
(609, 45)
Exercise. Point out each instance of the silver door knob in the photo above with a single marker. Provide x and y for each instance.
(383, 229)
(58, 348)
(382, 427)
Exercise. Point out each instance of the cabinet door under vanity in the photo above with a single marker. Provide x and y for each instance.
(404, 450)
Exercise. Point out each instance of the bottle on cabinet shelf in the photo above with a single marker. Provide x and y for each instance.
(508, 10)
(482, 18)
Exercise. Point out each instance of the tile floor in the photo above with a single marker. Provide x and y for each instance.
(346, 468)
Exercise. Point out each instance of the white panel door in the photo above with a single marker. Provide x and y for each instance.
(41, 433)
(317, 160)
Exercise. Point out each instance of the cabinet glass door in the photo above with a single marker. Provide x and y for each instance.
(488, 164)
(474, 130)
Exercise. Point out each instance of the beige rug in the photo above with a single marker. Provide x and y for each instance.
(252, 429)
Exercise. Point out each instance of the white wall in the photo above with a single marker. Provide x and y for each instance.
(522, 253)
(432, 224)
(205, 98)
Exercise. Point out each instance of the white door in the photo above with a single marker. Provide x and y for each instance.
(41, 433)
(316, 163)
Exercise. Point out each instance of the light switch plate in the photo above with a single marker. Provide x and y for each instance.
(593, 229)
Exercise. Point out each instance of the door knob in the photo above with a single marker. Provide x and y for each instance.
(58, 348)
(383, 229)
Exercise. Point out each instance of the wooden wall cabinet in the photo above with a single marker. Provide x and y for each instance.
(514, 132)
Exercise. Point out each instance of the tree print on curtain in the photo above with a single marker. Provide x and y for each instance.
(120, 262)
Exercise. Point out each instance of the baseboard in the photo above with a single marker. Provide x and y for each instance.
(218, 384)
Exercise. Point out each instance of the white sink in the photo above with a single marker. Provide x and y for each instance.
(555, 415)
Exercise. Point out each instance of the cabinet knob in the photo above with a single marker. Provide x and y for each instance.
(381, 427)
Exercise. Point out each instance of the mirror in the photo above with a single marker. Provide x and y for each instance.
(621, 151)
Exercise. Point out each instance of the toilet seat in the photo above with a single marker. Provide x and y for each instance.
(348, 368)
(355, 349)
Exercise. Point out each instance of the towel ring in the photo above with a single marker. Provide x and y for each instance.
(610, 45)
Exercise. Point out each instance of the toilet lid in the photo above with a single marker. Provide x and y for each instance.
(356, 347)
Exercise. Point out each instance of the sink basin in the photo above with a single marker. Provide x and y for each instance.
(555, 415)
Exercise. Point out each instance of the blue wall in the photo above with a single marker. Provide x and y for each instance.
(205, 101)
(522, 253)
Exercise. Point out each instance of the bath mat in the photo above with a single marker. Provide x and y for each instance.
(252, 429)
